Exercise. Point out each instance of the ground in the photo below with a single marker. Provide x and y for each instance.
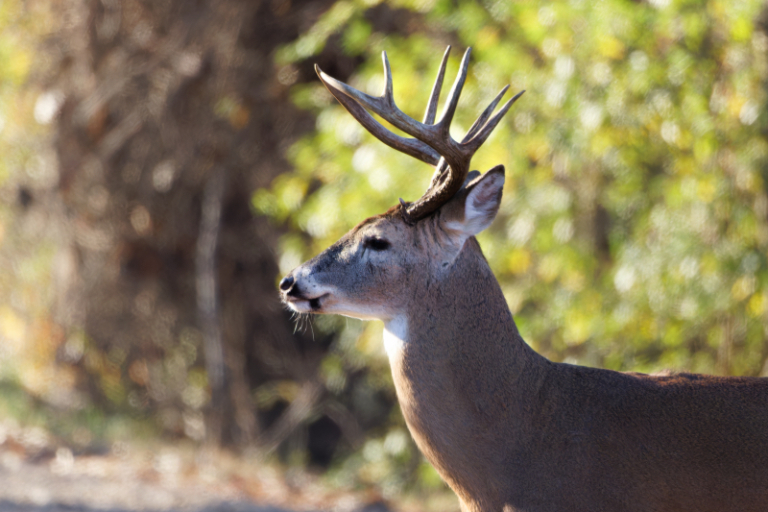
(158, 478)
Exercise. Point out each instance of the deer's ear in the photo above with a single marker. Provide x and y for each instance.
(475, 206)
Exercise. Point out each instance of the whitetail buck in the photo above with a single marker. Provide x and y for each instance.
(506, 428)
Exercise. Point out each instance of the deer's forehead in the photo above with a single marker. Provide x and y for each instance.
(382, 225)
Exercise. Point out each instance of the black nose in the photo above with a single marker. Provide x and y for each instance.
(286, 283)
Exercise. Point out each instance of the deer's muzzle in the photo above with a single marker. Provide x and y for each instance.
(296, 298)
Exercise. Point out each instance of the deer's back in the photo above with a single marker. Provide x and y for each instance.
(608, 441)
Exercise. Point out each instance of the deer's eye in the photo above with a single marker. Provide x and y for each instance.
(375, 243)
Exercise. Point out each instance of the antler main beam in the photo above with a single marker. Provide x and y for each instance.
(431, 142)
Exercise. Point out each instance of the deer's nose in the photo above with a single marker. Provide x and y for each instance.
(286, 283)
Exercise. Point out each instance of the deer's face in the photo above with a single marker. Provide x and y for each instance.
(364, 275)
(379, 268)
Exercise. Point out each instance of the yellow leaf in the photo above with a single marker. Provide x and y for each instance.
(573, 280)
(743, 288)
(756, 305)
(549, 268)
(741, 30)
(519, 261)
(537, 149)
(610, 47)
(12, 326)
(685, 165)
(17, 66)
(488, 37)
(577, 328)
(706, 190)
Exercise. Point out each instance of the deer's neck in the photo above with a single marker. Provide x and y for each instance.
(456, 330)
(460, 367)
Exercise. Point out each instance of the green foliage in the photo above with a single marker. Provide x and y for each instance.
(28, 337)
(633, 230)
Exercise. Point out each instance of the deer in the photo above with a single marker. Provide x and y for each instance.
(507, 429)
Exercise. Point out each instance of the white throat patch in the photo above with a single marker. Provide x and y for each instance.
(395, 335)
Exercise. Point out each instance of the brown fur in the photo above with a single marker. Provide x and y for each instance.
(506, 428)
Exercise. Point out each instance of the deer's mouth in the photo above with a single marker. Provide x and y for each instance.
(303, 304)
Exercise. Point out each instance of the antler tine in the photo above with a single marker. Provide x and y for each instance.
(436, 136)
(453, 96)
(388, 95)
(478, 140)
(480, 121)
(383, 105)
(412, 147)
(429, 115)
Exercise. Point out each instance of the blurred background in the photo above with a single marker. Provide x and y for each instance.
(163, 163)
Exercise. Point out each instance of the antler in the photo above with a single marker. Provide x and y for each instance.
(433, 143)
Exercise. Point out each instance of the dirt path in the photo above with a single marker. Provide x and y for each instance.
(160, 480)
(38, 487)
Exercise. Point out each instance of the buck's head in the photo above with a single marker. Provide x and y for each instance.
(375, 270)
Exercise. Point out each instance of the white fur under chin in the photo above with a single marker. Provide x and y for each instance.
(395, 335)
